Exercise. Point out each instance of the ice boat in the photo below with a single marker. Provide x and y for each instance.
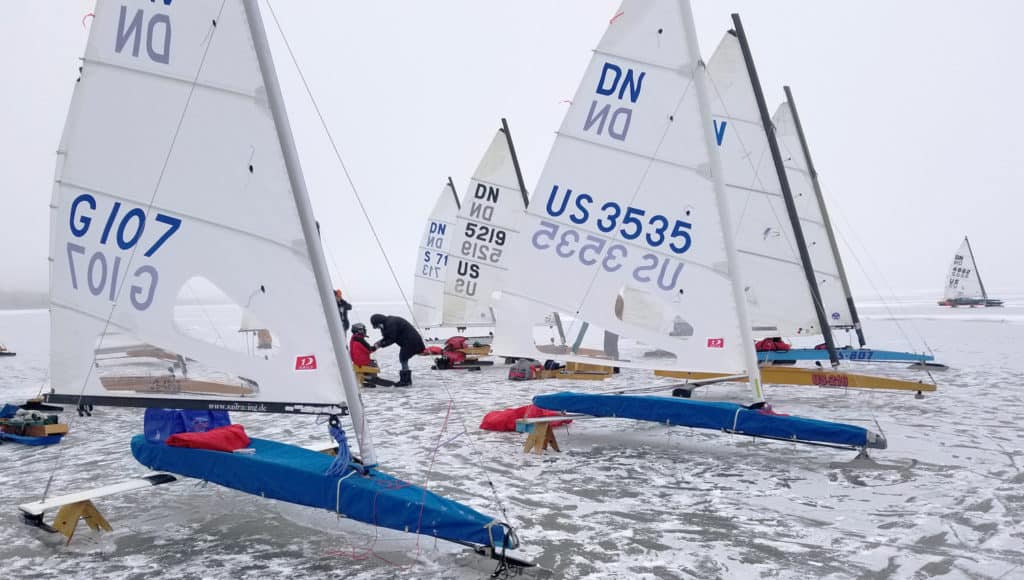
(633, 207)
(177, 169)
(715, 415)
(963, 284)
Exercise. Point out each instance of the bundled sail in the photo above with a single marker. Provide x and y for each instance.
(626, 209)
(432, 262)
(963, 284)
(484, 230)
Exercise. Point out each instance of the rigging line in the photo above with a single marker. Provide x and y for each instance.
(863, 268)
(131, 256)
(366, 216)
(337, 155)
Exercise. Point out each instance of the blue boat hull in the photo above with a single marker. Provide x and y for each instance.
(26, 440)
(296, 475)
(721, 416)
(850, 354)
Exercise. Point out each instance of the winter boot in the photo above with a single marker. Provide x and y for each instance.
(404, 379)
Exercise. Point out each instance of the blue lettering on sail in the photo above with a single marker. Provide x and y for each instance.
(632, 223)
(607, 85)
(157, 31)
(102, 269)
(719, 131)
(603, 117)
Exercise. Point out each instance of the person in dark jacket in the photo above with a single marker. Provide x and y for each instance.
(397, 330)
(343, 308)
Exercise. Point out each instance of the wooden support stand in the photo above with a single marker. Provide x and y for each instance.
(579, 371)
(540, 436)
(477, 351)
(363, 373)
(69, 515)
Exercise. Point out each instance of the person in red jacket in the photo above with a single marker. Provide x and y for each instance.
(360, 348)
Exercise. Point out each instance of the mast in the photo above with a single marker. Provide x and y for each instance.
(984, 295)
(787, 194)
(824, 215)
(738, 295)
(305, 210)
(455, 194)
(515, 162)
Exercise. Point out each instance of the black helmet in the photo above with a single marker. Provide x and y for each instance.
(377, 320)
(359, 328)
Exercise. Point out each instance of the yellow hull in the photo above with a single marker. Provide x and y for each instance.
(813, 377)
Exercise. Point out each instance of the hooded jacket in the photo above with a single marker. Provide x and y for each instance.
(397, 330)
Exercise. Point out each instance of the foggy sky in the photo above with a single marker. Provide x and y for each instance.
(911, 110)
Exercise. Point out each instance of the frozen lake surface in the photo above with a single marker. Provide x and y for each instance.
(623, 499)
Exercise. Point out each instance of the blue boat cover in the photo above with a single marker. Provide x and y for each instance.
(296, 475)
(850, 354)
(705, 415)
(159, 424)
(8, 411)
(28, 440)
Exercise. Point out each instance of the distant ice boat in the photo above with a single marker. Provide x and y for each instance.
(963, 284)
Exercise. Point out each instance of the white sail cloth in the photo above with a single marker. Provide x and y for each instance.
(432, 260)
(963, 281)
(812, 220)
(778, 297)
(624, 230)
(484, 231)
(170, 170)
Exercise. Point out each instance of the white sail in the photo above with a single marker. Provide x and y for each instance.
(812, 220)
(963, 280)
(484, 230)
(625, 232)
(432, 260)
(778, 297)
(170, 176)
